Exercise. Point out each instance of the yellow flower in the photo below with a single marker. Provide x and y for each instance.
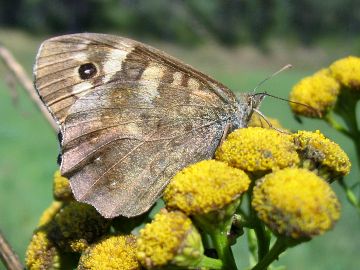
(205, 186)
(113, 252)
(347, 72)
(326, 156)
(323, 71)
(318, 91)
(76, 226)
(170, 239)
(61, 188)
(42, 253)
(256, 149)
(256, 120)
(296, 203)
(48, 215)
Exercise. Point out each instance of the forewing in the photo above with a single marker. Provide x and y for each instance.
(59, 85)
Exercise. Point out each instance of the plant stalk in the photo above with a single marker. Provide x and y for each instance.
(278, 248)
(223, 249)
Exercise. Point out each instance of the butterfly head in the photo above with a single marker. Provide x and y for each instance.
(247, 104)
(254, 100)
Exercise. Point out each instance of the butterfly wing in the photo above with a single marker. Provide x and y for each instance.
(130, 128)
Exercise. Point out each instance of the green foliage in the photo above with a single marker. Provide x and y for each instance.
(189, 22)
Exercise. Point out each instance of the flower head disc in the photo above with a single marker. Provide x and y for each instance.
(296, 203)
(325, 153)
(347, 72)
(318, 91)
(170, 239)
(113, 252)
(42, 253)
(205, 186)
(61, 188)
(49, 213)
(76, 226)
(256, 149)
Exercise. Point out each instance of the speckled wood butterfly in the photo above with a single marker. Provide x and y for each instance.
(130, 117)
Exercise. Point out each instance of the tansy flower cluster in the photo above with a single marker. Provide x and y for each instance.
(332, 94)
(111, 252)
(319, 94)
(170, 239)
(296, 203)
(258, 150)
(261, 180)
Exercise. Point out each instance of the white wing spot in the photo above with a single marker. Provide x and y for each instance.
(177, 78)
(193, 84)
(113, 63)
(81, 88)
(82, 57)
(151, 78)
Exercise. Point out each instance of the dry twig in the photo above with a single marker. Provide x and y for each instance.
(20, 74)
(8, 256)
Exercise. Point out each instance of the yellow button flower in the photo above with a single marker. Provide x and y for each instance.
(42, 253)
(61, 188)
(326, 156)
(318, 91)
(76, 226)
(256, 149)
(296, 203)
(205, 186)
(48, 215)
(347, 72)
(113, 252)
(170, 239)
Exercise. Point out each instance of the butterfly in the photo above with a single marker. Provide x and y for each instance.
(130, 116)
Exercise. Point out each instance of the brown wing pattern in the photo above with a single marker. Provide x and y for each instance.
(129, 129)
(56, 69)
(120, 152)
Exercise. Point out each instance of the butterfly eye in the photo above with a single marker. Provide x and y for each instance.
(87, 71)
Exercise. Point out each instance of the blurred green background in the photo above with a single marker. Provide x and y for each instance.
(238, 42)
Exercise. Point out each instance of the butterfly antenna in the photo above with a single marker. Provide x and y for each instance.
(291, 101)
(272, 75)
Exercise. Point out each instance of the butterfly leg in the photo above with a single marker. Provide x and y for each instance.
(225, 133)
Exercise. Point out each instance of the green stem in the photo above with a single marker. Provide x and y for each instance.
(278, 248)
(221, 242)
(263, 239)
(357, 148)
(346, 109)
(351, 197)
(329, 118)
(210, 263)
(252, 247)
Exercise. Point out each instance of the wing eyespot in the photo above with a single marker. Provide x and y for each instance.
(87, 71)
